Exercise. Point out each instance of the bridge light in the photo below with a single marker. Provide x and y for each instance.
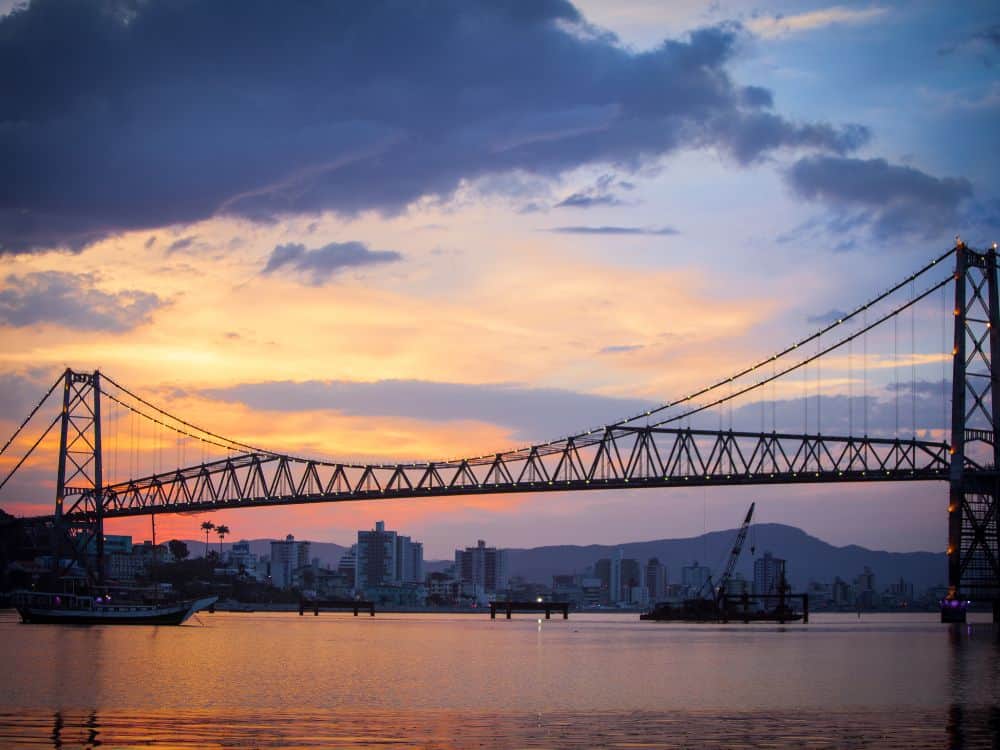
(951, 550)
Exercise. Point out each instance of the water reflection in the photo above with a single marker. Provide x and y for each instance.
(955, 727)
(273, 680)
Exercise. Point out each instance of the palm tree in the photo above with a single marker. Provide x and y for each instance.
(221, 530)
(207, 526)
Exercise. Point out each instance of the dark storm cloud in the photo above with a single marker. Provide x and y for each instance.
(318, 265)
(125, 115)
(890, 199)
(663, 231)
(72, 301)
(534, 413)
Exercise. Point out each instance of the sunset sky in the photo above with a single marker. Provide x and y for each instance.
(410, 230)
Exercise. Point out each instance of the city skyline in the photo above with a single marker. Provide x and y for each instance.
(321, 304)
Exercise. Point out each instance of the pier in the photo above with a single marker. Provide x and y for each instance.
(337, 605)
(547, 607)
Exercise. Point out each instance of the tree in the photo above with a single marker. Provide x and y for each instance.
(221, 530)
(178, 549)
(207, 526)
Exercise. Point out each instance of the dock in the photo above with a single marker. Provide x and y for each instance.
(336, 605)
(547, 607)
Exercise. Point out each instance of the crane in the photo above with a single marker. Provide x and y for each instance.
(741, 537)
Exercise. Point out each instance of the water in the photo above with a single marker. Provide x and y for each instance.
(427, 680)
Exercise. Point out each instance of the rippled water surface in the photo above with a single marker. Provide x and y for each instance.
(281, 680)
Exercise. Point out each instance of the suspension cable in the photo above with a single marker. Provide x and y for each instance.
(196, 428)
(178, 430)
(787, 350)
(30, 415)
(30, 450)
(804, 362)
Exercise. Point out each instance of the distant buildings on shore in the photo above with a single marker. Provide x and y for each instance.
(388, 567)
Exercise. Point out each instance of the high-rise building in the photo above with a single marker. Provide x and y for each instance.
(632, 579)
(694, 578)
(287, 557)
(864, 588)
(409, 560)
(767, 574)
(386, 558)
(618, 575)
(483, 567)
(656, 579)
(376, 562)
(348, 565)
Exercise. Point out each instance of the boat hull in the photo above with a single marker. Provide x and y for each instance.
(174, 614)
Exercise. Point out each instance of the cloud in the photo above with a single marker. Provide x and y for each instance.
(663, 231)
(184, 243)
(984, 44)
(581, 200)
(72, 301)
(771, 27)
(889, 199)
(319, 265)
(218, 112)
(20, 392)
(620, 349)
(533, 413)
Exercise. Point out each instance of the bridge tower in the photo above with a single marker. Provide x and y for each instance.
(974, 495)
(79, 516)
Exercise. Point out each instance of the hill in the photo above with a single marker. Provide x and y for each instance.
(808, 558)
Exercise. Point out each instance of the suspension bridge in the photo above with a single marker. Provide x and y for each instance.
(673, 445)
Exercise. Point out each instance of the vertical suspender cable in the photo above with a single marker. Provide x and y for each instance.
(913, 362)
(819, 384)
(944, 363)
(774, 403)
(864, 364)
(850, 387)
(895, 367)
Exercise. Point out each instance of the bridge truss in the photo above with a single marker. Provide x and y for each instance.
(618, 458)
(651, 449)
